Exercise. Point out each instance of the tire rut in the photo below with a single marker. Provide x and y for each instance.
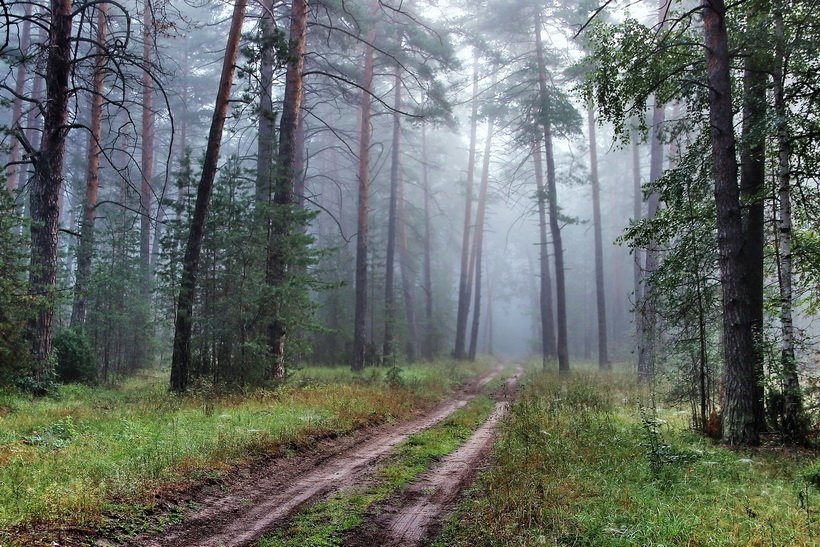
(259, 502)
(426, 503)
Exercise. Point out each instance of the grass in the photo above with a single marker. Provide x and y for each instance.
(93, 454)
(327, 522)
(579, 463)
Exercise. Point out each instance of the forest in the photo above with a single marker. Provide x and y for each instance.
(409, 272)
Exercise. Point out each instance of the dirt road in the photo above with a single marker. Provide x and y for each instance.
(270, 494)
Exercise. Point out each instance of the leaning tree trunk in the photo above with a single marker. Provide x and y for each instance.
(548, 348)
(464, 283)
(552, 194)
(85, 249)
(46, 186)
(17, 109)
(281, 244)
(792, 426)
(752, 193)
(181, 360)
(360, 317)
(603, 352)
(395, 158)
(478, 237)
(429, 335)
(740, 425)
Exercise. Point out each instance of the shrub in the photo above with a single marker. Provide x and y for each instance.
(75, 358)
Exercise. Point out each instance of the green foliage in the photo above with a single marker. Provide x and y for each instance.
(574, 465)
(15, 304)
(75, 357)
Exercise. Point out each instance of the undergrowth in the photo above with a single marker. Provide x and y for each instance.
(580, 461)
(91, 454)
(326, 523)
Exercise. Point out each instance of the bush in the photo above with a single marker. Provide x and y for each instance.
(75, 358)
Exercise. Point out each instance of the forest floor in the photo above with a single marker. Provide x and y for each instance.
(486, 456)
(111, 462)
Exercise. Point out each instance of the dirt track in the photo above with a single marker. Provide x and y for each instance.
(424, 506)
(272, 492)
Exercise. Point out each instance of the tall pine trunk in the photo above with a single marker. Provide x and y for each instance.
(266, 138)
(752, 193)
(478, 237)
(46, 186)
(281, 244)
(406, 274)
(147, 150)
(552, 194)
(360, 317)
(85, 249)
(792, 426)
(464, 282)
(740, 424)
(17, 109)
(600, 292)
(549, 351)
(395, 158)
(181, 360)
(428, 348)
(637, 265)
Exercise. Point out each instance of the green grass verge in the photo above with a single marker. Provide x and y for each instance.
(578, 463)
(326, 522)
(93, 453)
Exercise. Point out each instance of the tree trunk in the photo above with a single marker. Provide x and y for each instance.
(85, 249)
(46, 186)
(464, 283)
(478, 237)
(395, 156)
(752, 190)
(648, 311)
(428, 348)
(406, 271)
(181, 360)
(17, 109)
(147, 150)
(739, 416)
(792, 426)
(603, 351)
(266, 139)
(360, 318)
(552, 194)
(637, 266)
(282, 225)
(548, 348)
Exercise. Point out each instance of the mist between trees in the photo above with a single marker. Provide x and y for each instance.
(227, 190)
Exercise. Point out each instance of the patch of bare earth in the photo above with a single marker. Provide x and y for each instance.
(421, 510)
(275, 489)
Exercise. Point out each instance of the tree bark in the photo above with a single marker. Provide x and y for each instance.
(549, 351)
(740, 424)
(181, 360)
(478, 237)
(360, 318)
(85, 249)
(603, 351)
(47, 184)
(17, 109)
(266, 139)
(147, 151)
(282, 225)
(792, 426)
(552, 194)
(406, 274)
(752, 190)
(464, 283)
(395, 157)
(428, 348)
(637, 266)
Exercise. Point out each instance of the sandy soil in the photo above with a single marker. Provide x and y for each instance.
(273, 490)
